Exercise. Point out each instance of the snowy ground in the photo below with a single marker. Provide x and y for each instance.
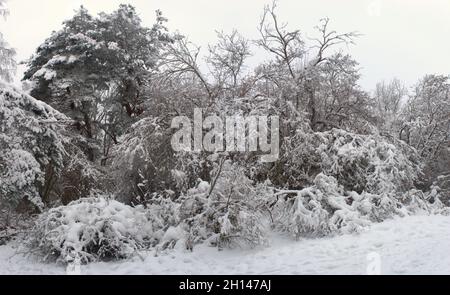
(412, 245)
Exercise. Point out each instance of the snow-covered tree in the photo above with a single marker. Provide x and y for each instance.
(181, 62)
(227, 60)
(95, 69)
(427, 116)
(143, 161)
(389, 99)
(340, 101)
(301, 73)
(7, 54)
(229, 211)
(426, 125)
(30, 144)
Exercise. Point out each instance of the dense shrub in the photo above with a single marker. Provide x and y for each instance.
(228, 212)
(360, 163)
(143, 163)
(326, 208)
(91, 229)
(442, 185)
(337, 182)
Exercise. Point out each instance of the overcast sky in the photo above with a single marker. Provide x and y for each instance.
(401, 38)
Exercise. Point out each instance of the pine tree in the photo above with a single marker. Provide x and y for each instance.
(95, 70)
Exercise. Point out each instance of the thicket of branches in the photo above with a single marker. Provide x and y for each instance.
(97, 130)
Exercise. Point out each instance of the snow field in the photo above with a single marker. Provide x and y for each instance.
(410, 245)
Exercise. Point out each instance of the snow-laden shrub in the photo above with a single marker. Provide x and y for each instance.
(30, 141)
(317, 210)
(90, 229)
(442, 188)
(143, 161)
(164, 217)
(228, 212)
(337, 181)
(79, 177)
(326, 208)
(360, 163)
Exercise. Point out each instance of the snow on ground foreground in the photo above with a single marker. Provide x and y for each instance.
(411, 245)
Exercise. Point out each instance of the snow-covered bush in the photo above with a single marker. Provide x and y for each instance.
(164, 218)
(12, 224)
(317, 210)
(30, 142)
(337, 181)
(228, 212)
(442, 185)
(143, 161)
(326, 208)
(91, 229)
(360, 163)
(79, 177)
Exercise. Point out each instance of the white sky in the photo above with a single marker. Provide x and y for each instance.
(402, 38)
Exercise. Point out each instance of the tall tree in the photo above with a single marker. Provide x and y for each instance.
(427, 116)
(340, 101)
(389, 99)
(227, 58)
(296, 76)
(95, 69)
(7, 54)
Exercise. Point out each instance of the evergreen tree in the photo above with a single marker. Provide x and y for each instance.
(95, 70)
